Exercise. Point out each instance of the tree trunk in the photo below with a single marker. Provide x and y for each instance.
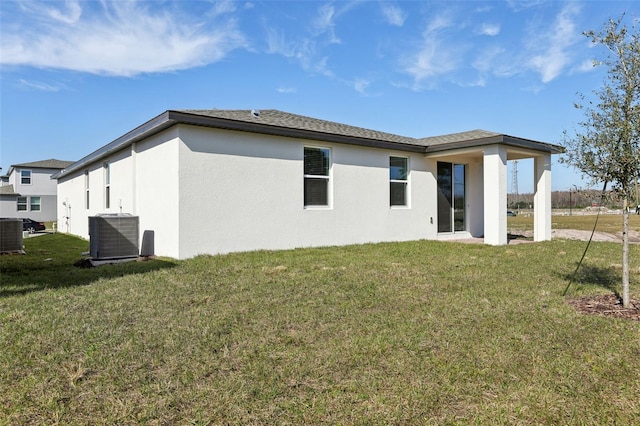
(625, 253)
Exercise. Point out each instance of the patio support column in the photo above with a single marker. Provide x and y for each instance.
(495, 195)
(542, 198)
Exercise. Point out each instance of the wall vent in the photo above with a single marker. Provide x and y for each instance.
(11, 236)
(113, 236)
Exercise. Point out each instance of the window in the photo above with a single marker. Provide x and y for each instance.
(25, 177)
(22, 204)
(86, 189)
(107, 185)
(398, 177)
(316, 176)
(33, 203)
(34, 206)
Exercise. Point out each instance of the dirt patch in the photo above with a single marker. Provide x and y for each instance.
(574, 234)
(520, 236)
(606, 305)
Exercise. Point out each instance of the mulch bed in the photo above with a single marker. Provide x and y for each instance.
(607, 305)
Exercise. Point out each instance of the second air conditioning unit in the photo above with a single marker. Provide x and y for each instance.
(11, 235)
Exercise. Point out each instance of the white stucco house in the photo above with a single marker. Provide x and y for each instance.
(27, 190)
(220, 181)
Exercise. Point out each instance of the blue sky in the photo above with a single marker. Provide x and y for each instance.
(75, 75)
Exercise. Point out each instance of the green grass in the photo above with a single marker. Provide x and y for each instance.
(396, 333)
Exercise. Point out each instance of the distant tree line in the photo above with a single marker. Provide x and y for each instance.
(576, 199)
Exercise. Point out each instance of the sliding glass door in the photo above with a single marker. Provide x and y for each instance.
(451, 197)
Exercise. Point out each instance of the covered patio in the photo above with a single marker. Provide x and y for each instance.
(473, 184)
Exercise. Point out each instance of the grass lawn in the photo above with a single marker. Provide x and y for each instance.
(396, 333)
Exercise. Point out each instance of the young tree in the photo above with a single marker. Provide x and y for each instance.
(606, 145)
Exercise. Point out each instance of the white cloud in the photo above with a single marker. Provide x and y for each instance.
(434, 57)
(38, 85)
(585, 66)
(286, 90)
(489, 29)
(520, 5)
(323, 23)
(67, 12)
(303, 51)
(440, 22)
(393, 14)
(122, 38)
(361, 85)
(495, 60)
(551, 49)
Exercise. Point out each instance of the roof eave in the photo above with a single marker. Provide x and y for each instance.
(499, 139)
(151, 127)
(171, 117)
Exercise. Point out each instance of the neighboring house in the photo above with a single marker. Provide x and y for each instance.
(220, 181)
(8, 200)
(28, 191)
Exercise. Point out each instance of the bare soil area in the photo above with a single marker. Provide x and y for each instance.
(574, 234)
(606, 305)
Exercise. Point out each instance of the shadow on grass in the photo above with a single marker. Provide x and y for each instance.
(49, 264)
(515, 236)
(606, 278)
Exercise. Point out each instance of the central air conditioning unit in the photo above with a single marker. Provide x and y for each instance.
(113, 236)
(11, 235)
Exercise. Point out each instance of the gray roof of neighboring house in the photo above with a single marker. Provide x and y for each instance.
(7, 190)
(42, 164)
(279, 123)
(46, 164)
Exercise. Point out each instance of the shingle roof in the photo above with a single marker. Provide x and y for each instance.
(476, 138)
(7, 190)
(284, 124)
(46, 164)
(285, 120)
(458, 137)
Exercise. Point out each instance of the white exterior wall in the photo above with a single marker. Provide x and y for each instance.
(73, 213)
(71, 199)
(495, 195)
(542, 198)
(8, 206)
(241, 191)
(156, 188)
(143, 183)
(475, 198)
(199, 190)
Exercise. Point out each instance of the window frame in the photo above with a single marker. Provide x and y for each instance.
(86, 189)
(23, 177)
(107, 184)
(22, 201)
(38, 204)
(394, 180)
(325, 177)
